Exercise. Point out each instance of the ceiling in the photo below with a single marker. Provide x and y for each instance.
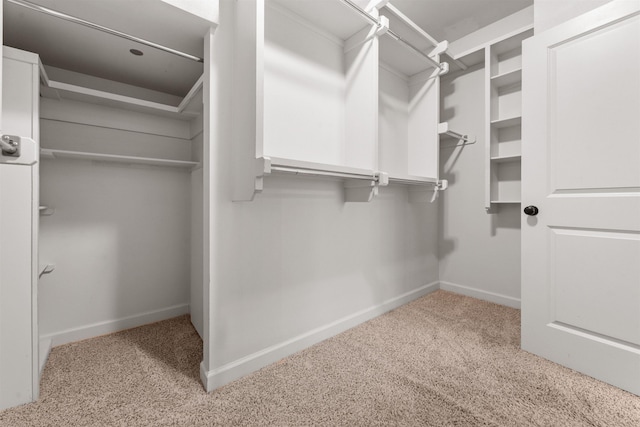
(452, 19)
(70, 46)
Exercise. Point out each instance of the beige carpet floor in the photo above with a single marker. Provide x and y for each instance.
(442, 360)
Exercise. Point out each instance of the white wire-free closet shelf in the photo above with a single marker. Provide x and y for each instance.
(506, 159)
(63, 154)
(298, 167)
(189, 107)
(507, 79)
(508, 122)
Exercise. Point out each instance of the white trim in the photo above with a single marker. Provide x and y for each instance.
(111, 326)
(238, 368)
(44, 348)
(481, 294)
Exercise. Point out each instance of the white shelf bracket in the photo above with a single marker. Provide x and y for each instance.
(444, 69)
(263, 168)
(383, 27)
(427, 195)
(360, 191)
(440, 48)
(46, 210)
(364, 191)
(463, 139)
(376, 4)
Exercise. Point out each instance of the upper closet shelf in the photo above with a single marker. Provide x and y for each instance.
(406, 47)
(189, 106)
(63, 154)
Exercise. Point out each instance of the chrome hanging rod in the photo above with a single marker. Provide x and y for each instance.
(391, 33)
(116, 33)
(320, 172)
(361, 11)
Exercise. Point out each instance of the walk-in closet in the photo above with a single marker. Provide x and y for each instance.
(281, 171)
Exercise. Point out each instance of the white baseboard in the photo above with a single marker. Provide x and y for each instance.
(111, 326)
(481, 294)
(231, 371)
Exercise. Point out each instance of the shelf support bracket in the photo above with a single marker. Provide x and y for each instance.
(424, 195)
(364, 191)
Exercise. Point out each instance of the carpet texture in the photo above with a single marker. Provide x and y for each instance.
(441, 360)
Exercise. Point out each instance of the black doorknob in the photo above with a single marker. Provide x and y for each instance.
(531, 210)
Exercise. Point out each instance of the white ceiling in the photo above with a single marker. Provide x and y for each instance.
(71, 46)
(453, 19)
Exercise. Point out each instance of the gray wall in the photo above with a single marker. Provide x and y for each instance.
(298, 264)
(479, 252)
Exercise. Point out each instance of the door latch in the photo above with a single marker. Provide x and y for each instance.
(10, 145)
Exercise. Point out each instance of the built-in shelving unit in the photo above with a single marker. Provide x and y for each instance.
(503, 138)
(337, 89)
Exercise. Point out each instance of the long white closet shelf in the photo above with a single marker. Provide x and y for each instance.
(55, 89)
(63, 154)
(271, 165)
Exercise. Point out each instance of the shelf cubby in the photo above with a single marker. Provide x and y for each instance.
(408, 103)
(505, 56)
(506, 184)
(317, 76)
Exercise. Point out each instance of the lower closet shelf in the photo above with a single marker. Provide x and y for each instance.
(55, 154)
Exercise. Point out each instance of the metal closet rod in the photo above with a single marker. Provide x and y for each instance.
(391, 33)
(113, 32)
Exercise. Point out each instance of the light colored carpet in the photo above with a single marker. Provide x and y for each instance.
(442, 360)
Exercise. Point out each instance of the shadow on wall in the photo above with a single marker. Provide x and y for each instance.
(507, 216)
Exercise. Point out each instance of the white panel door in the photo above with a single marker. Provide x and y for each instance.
(581, 169)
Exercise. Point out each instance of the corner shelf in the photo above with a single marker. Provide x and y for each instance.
(508, 122)
(506, 159)
(507, 79)
(63, 154)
